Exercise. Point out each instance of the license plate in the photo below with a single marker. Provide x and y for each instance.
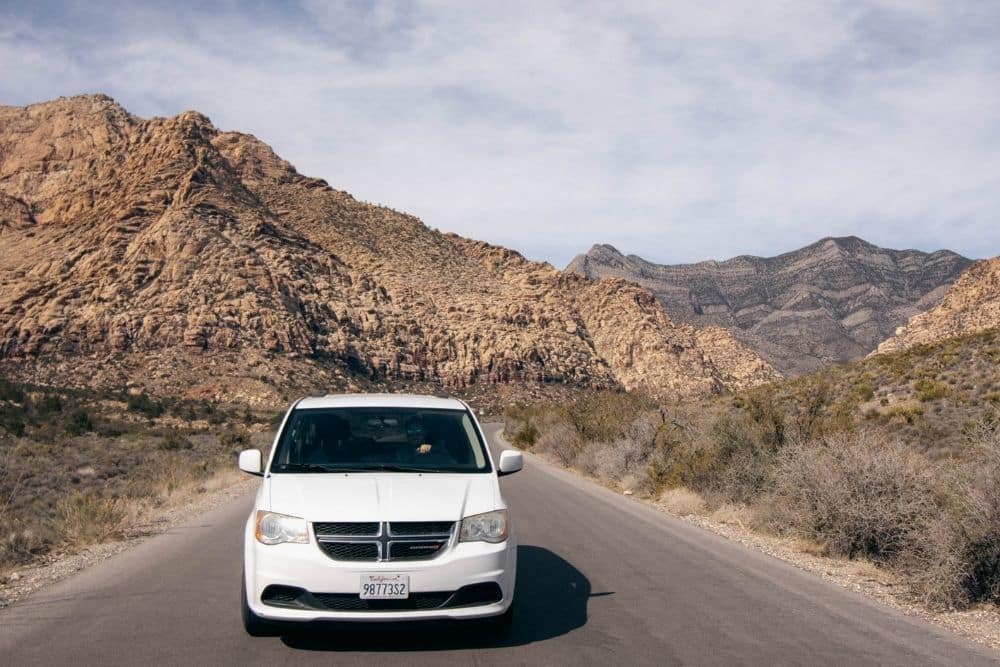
(385, 586)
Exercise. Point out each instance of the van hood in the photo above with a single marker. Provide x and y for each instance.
(383, 496)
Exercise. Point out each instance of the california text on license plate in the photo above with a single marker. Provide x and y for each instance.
(385, 586)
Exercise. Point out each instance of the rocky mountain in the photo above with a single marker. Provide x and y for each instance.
(971, 305)
(834, 300)
(168, 254)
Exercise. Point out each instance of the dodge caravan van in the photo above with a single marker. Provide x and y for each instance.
(378, 507)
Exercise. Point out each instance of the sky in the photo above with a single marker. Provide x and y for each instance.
(677, 131)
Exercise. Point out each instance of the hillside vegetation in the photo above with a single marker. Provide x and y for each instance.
(895, 458)
(78, 468)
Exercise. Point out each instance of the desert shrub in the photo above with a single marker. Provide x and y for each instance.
(212, 412)
(859, 494)
(560, 440)
(233, 440)
(619, 459)
(11, 392)
(12, 419)
(682, 501)
(87, 518)
(174, 441)
(865, 391)
(930, 390)
(525, 436)
(605, 415)
(955, 560)
(740, 458)
(80, 423)
(907, 413)
(49, 404)
(19, 546)
(144, 405)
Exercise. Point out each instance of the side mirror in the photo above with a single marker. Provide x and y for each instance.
(510, 462)
(250, 461)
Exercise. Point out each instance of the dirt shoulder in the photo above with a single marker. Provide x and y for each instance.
(223, 488)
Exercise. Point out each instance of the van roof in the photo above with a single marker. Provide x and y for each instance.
(381, 401)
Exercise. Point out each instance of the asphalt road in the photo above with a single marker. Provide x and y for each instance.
(601, 579)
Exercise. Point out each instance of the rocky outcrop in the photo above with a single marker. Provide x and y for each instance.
(168, 253)
(971, 305)
(834, 300)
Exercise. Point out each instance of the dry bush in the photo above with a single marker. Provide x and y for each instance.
(859, 494)
(87, 518)
(737, 461)
(560, 440)
(621, 458)
(19, 546)
(955, 560)
(588, 460)
(682, 502)
(626, 459)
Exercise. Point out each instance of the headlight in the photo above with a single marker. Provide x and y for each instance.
(274, 528)
(488, 527)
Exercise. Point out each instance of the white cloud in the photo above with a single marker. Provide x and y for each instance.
(676, 131)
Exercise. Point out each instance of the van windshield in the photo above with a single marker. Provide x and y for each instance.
(378, 440)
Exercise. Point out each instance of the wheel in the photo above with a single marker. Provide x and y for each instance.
(252, 623)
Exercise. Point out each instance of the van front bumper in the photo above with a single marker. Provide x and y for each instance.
(302, 583)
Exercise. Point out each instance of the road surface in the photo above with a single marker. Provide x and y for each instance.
(601, 579)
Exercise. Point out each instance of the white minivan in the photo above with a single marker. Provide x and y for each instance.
(378, 507)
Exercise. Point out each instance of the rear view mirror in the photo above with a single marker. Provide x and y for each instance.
(510, 462)
(251, 462)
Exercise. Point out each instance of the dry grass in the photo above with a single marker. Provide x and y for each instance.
(682, 502)
(87, 518)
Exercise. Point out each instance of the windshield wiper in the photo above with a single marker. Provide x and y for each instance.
(306, 467)
(333, 467)
(393, 467)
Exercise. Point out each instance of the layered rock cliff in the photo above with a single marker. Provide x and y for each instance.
(834, 300)
(167, 253)
(971, 305)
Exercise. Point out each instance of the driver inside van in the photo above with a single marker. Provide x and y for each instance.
(426, 444)
(416, 436)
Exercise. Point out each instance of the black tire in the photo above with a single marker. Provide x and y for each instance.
(252, 623)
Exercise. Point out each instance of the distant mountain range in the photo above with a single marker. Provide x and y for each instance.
(167, 254)
(831, 301)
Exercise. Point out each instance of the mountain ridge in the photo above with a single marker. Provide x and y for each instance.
(830, 301)
(168, 253)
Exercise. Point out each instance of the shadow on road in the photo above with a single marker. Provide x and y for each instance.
(551, 600)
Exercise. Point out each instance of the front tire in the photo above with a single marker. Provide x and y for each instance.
(254, 625)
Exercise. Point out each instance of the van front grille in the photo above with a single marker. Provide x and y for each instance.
(385, 541)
